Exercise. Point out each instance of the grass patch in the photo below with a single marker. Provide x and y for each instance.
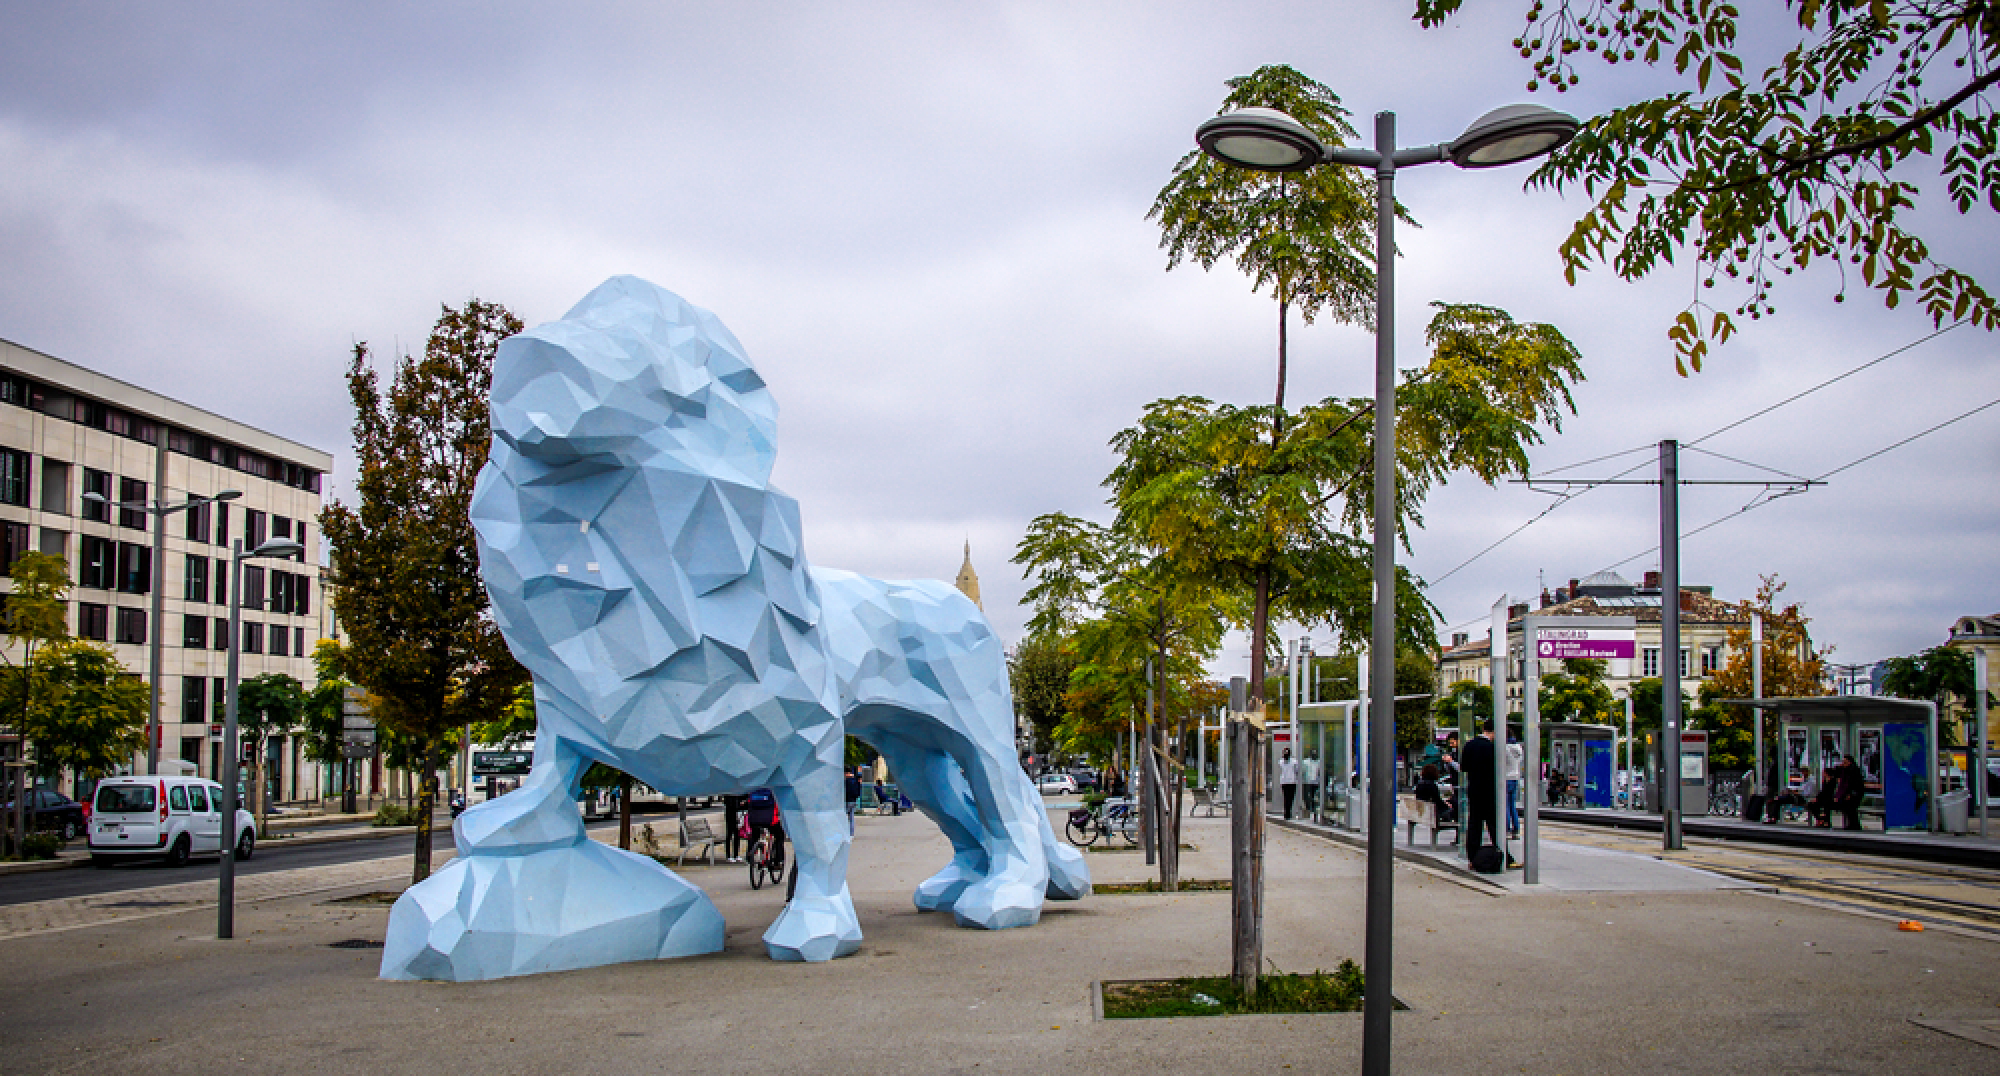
(1340, 990)
(1152, 885)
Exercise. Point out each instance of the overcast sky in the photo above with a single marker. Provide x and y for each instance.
(926, 222)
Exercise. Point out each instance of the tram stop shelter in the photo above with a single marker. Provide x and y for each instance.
(1895, 741)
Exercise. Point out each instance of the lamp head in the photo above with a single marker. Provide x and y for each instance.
(277, 547)
(1511, 134)
(95, 497)
(1263, 139)
(227, 495)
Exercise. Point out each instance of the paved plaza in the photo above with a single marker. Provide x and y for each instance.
(1690, 973)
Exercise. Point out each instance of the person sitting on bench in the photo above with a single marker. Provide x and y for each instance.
(1428, 791)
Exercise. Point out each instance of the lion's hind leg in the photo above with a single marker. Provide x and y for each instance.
(933, 781)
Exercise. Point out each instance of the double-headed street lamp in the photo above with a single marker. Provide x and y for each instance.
(159, 510)
(225, 922)
(1270, 141)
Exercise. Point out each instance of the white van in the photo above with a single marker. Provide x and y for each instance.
(168, 818)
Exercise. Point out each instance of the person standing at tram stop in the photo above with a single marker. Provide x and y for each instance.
(1309, 779)
(732, 820)
(1514, 759)
(1288, 780)
(1479, 791)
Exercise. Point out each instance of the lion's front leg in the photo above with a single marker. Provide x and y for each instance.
(818, 923)
(530, 891)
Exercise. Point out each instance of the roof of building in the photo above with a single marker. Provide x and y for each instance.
(1696, 608)
(1977, 627)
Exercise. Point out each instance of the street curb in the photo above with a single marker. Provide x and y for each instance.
(69, 862)
(1464, 876)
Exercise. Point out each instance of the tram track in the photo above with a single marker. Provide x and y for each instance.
(1967, 897)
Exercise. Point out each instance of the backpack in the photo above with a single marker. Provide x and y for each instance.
(1487, 860)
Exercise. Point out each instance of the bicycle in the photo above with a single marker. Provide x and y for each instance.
(1087, 824)
(767, 859)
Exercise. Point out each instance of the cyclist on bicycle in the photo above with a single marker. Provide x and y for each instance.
(760, 813)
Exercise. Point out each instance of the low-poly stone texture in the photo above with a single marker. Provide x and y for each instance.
(646, 573)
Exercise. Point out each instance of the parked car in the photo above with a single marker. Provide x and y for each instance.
(1056, 783)
(50, 810)
(170, 818)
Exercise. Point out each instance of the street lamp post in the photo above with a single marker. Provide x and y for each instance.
(159, 510)
(1268, 140)
(225, 921)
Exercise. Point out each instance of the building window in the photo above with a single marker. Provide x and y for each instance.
(300, 537)
(253, 638)
(196, 587)
(55, 486)
(253, 528)
(13, 543)
(194, 700)
(14, 476)
(131, 625)
(302, 595)
(280, 641)
(93, 621)
(1684, 663)
(135, 568)
(299, 642)
(221, 635)
(1649, 661)
(197, 522)
(99, 563)
(98, 482)
(281, 526)
(252, 594)
(221, 525)
(55, 543)
(133, 491)
(194, 633)
(1711, 660)
(218, 700)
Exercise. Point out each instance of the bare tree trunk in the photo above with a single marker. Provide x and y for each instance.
(625, 811)
(1246, 859)
(261, 799)
(426, 808)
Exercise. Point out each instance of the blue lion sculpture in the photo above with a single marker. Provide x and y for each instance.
(646, 573)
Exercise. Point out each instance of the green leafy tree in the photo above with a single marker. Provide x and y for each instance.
(1476, 699)
(1577, 693)
(1793, 668)
(266, 706)
(322, 710)
(1039, 673)
(1273, 507)
(35, 616)
(1820, 157)
(1415, 675)
(1943, 675)
(1310, 236)
(89, 714)
(405, 564)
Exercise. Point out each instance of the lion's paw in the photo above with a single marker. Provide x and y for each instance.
(490, 917)
(814, 929)
(1069, 878)
(999, 903)
(941, 890)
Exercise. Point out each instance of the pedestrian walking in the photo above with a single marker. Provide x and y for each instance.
(732, 817)
(1514, 761)
(1288, 780)
(853, 797)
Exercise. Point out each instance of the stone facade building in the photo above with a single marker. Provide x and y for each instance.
(66, 431)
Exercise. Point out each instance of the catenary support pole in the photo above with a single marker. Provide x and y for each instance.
(1670, 645)
(1757, 692)
(1380, 946)
(1980, 777)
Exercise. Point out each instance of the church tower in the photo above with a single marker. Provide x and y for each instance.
(968, 580)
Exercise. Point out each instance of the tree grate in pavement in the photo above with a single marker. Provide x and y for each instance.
(355, 943)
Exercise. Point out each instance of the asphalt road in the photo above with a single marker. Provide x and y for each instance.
(270, 856)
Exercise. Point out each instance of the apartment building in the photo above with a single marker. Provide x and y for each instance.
(66, 431)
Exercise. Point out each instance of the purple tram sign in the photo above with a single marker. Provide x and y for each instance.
(1557, 644)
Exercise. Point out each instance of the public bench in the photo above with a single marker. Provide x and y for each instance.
(1204, 800)
(698, 835)
(1418, 812)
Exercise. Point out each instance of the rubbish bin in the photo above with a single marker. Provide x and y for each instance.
(1953, 807)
